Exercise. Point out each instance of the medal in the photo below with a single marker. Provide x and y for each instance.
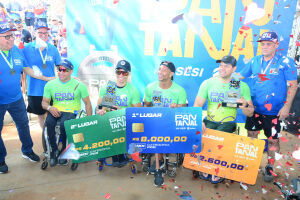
(44, 65)
(12, 71)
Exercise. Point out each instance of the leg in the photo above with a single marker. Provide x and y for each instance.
(65, 117)
(158, 179)
(51, 123)
(253, 134)
(272, 143)
(2, 146)
(17, 110)
(41, 119)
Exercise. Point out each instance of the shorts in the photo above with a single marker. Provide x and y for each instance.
(269, 123)
(35, 105)
(228, 127)
(29, 21)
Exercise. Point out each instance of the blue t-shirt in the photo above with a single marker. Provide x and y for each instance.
(10, 87)
(269, 90)
(35, 87)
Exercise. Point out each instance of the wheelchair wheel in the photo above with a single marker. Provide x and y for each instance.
(74, 166)
(180, 158)
(172, 173)
(44, 164)
(196, 174)
(133, 168)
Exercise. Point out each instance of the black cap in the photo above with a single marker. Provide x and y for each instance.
(124, 64)
(168, 64)
(66, 63)
(228, 60)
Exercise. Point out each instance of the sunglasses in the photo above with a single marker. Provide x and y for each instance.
(63, 69)
(122, 72)
(7, 37)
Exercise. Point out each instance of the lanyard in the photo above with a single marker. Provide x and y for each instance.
(9, 63)
(43, 59)
(264, 71)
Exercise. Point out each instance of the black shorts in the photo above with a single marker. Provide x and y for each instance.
(35, 105)
(29, 21)
(264, 122)
(228, 127)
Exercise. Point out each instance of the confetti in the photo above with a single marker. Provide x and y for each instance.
(288, 164)
(116, 1)
(253, 13)
(278, 156)
(296, 154)
(245, 187)
(264, 191)
(268, 106)
(107, 196)
(220, 146)
(274, 121)
(283, 139)
(198, 132)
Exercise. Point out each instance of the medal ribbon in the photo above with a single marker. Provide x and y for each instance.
(43, 59)
(264, 71)
(9, 63)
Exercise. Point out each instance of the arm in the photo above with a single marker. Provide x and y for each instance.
(292, 89)
(46, 106)
(247, 107)
(137, 105)
(88, 106)
(30, 72)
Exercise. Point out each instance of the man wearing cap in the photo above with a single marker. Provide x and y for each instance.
(41, 56)
(66, 94)
(126, 96)
(12, 63)
(163, 93)
(215, 90)
(273, 90)
(25, 34)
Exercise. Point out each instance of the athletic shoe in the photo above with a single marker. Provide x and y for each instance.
(152, 168)
(268, 177)
(31, 156)
(53, 158)
(158, 179)
(3, 168)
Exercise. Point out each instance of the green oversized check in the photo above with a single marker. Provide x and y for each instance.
(98, 136)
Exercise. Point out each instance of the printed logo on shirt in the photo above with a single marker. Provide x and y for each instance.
(121, 100)
(62, 96)
(49, 58)
(217, 97)
(274, 71)
(17, 61)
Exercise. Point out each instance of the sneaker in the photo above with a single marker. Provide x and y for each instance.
(63, 162)
(3, 168)
(158, 179)
(53, 158)
(31, 156)
(268, 177)
(152, 168)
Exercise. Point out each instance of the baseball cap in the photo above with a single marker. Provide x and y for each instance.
(4, 27)
(228, 60)
(268, 36)
(40, 24)
(168, 64)
(66, 63)
(124, 64)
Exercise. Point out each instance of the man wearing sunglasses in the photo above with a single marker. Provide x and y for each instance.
(12, 63)
(66, 94)
(41, 56)
(163, 93)
(126, 96)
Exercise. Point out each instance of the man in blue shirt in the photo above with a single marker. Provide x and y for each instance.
(12, 63)
(273, 90)
(43, 58)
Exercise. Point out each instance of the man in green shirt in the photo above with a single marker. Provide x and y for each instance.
(216, 90)
(163, 93)
(66, 94)
(126, 95)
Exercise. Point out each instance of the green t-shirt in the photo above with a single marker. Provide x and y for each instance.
(125, 96)
(66, 96)
(164, 97)
(214, 91)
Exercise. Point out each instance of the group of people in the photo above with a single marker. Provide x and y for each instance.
(266, 102)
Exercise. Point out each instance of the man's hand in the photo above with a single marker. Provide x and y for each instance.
(101, 112)
(283, 112)
(243, 102)
(54, 112)
(173, 105)
(203, 127)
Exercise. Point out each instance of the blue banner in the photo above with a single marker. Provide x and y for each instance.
(190, 33)
(163, 130)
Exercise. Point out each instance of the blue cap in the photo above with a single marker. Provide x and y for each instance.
(4, 27)
(66, 63)
(268, 36)
(41, 24)
(124, 64)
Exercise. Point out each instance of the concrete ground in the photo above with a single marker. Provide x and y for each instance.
(26, 180)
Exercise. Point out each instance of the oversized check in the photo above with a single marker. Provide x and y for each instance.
(164, 130)
(98, 136)
(227, 155)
